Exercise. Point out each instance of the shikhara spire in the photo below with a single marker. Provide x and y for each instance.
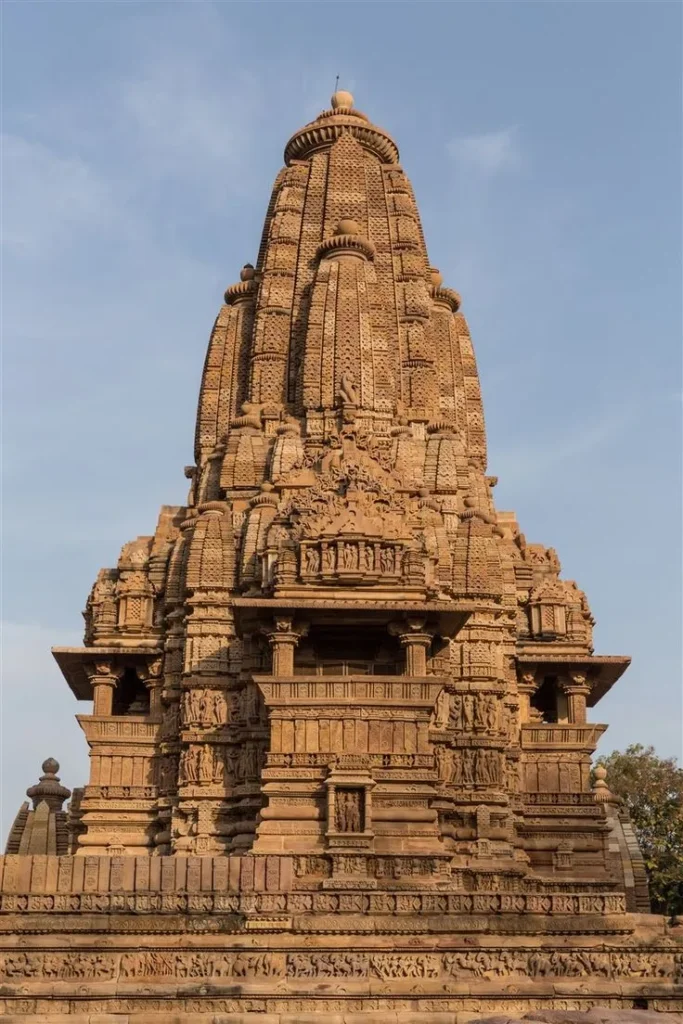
(342, 289)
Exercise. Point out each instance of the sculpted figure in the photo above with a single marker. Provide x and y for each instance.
(457, 767)
(387, 559)
(468, 712)
(369, 558)
(189, 765)
(455, 716)
(194, 706)
(251, 704)
(234, 706)
(347, 392)
(206, 767)
(348, 808)
(491, 714)
(204, 708)
(480, 713)
(312, 560)
(232, 759)
(340, 809)
(443, 757)
(329, 559)
(249, 760)
(482, 767)
(217, 709)
(350, 556)
(468, 767)
(442, 710)
(353, 811)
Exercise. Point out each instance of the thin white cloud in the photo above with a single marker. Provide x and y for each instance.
(528, 463)
(47, 196)
(187, 124)
(489, 153)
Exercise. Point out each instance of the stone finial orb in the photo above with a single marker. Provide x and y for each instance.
(247, 272)
(50, 766)
(601, 791)
(347, 226)
(341, 98)
(436, 277)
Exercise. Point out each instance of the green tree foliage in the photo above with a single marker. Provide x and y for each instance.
(651, 789)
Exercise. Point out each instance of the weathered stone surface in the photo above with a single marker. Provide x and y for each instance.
(339, 739)
(595, 1016)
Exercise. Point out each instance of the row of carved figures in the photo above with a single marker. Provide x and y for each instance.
(206, 764)
(467, 712)
(350, 557)
(343, 964)
(468, 767)
(213, 708)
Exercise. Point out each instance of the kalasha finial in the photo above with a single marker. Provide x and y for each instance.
(247, 272)
(49, 788)
(342, 99)
(347, 226)
(601, 791)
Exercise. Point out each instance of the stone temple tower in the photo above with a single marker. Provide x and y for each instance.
(338, 700)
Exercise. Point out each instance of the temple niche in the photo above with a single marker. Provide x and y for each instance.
(339, 711)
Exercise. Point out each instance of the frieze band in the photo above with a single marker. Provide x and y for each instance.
(314, 902)
(158, 966)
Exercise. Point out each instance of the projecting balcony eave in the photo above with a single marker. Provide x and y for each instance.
(73, 662)
(602, 670)
(448, 617)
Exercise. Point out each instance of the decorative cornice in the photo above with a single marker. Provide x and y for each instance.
(244, 289)
(447, 297)
(347, 239)
(330, 125)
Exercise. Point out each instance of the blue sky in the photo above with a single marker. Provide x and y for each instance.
(140, 142)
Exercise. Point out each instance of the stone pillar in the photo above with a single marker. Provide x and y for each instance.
(283, 640)
(153, 679)
(103, 680)
(416, 646)
(527, 685)
(577, 689)
(415, 642)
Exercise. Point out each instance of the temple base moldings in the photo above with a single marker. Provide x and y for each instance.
(262, 938)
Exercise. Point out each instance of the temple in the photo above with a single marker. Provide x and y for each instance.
(340, 746)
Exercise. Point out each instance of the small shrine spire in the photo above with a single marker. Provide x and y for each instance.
(42, 828)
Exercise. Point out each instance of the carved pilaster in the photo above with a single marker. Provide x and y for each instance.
(103, 678)
(415, 642)
(577, 688)
(284, 640)
(527, 684)
(153, 678)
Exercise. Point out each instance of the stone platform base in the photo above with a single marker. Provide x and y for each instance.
(105, 941)
(597, 1015)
